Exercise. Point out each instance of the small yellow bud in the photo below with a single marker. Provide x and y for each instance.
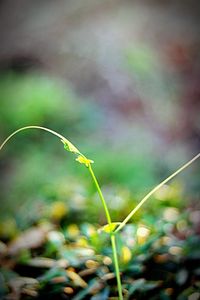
(83, 160)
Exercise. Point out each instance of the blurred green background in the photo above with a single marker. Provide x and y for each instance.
(120, 79)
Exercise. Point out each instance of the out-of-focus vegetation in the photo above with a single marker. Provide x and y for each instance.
(35, 99)
(120, 80)
(159, 257)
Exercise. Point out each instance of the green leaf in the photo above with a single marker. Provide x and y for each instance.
(92, 285)
(135, 268)
(136, 285)
(52, 273)
(103, 295)
(70, 147)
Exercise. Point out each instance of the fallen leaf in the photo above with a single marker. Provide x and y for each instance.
(41, 262)
(78, 281)
(30, 239)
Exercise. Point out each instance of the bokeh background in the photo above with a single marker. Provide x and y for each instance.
(121, 80)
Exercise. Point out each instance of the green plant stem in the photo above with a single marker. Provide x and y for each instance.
(154, 190)
(32, 127)
(112, 235)
(101, 196)
(116, 264)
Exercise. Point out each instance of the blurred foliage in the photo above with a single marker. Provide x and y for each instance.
(33, 162)
(37, 99)
(29, 99)
(141, 60)
(132, 108)
(159, 258)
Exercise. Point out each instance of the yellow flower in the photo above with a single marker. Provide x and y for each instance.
(83, 160)
(109, 228)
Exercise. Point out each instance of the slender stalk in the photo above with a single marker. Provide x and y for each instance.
(101, 196)
(112, 235)
(116, 264)
(73, 149)
(154, 190)
(31, 127)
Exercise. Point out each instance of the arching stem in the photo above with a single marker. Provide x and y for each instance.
(73, 149)
(154, 190)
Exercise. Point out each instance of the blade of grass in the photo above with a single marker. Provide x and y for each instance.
(31, 127)
(154, 190)
(87, 162)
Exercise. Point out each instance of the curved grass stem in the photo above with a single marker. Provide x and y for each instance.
(154, 190)
(72, 148)
(31, 127)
